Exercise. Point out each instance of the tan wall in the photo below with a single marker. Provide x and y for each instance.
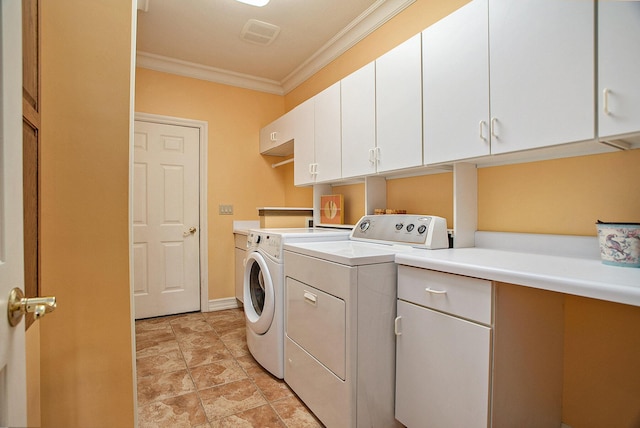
(86, 365)
(237, 173)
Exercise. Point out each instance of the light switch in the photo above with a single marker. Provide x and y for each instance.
(225, 209)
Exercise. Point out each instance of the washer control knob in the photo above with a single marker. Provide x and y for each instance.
(410, 227)
(258, 239)
(399, 226)
(422, 229)
(364, 226)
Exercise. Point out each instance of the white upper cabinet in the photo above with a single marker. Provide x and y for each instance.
(618, 68)
(455, 67)
(276, 138)
(317, 139)
(541, 73)
(399, 107)
(304, 157)
(327, 135)
(358, 101)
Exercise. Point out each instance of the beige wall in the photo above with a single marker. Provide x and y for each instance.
(237, 173)
(86, 364)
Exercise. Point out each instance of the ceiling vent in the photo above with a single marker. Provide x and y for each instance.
(259, 33)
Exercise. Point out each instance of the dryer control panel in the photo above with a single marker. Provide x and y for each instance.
(419, 231)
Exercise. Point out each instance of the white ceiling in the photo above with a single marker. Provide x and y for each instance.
(201, 38)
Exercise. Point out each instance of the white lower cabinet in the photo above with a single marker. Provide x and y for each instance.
(473, 353)
(442, 362)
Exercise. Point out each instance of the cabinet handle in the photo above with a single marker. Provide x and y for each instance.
(396, 326)
(605, 101)
(482, 137)
(310, 298)
(378, 155)
(274, 136)
(372, 156)
(432, 291)
(315, 169)
(494, 120)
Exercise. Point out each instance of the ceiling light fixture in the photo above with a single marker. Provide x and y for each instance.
(258, 3)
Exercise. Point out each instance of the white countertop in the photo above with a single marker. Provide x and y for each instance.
(581, 276)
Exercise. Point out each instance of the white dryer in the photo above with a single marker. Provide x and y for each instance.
(340, 307)
(263, 289)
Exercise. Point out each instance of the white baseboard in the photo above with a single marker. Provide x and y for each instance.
(222, 304)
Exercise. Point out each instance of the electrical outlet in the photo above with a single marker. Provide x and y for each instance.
(225, 209)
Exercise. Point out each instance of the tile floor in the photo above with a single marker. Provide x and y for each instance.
(194, 370)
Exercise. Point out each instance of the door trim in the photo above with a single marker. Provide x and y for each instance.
(204, 236)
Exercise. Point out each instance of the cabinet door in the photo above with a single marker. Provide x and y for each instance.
(303, 143)
(358, 102)
(542, 73)
(442, 370)
(274, 135)
(455, 67)
(327, 134)
(399, 106)
(619, 67)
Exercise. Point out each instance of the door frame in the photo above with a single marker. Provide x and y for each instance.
(203, 127)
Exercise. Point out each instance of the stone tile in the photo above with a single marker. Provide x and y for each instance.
(151, 324)
(224, 326)
(146, 348)
(294, 413)
(259, 417)
(181, 411)
(271, 387)
(237, 347)
(161, 363)
(247, 362)
(190, 327)
(161, 334)
(234, 334)
(223, 371)
(199, 356)
(226, 315)
(160, 387)
(186, 318)
(203, 339)
(230, 398)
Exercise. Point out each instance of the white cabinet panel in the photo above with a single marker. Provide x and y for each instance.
(317, 138)
(442, 369)
(275, 138)
(358, 102)
(304, 144)
(541, 73)
(327, 134)
(399, 106)
(618, 67)
(455, 67)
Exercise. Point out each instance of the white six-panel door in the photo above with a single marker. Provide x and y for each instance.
(166, 226)
(13, 396)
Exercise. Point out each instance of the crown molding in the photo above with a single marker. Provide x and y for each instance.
(369, 21)
(203, 72)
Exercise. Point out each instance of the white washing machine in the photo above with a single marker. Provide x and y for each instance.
(264, 289)
(340, 307)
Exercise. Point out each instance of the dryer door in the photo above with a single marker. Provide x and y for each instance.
(259, 297)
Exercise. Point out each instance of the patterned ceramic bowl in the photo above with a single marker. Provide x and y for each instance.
(619, 243)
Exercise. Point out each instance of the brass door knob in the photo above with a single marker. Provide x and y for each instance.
(18, 305)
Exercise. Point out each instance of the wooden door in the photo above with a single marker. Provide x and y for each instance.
(166, 219)
(12, 346)
(31, 144)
